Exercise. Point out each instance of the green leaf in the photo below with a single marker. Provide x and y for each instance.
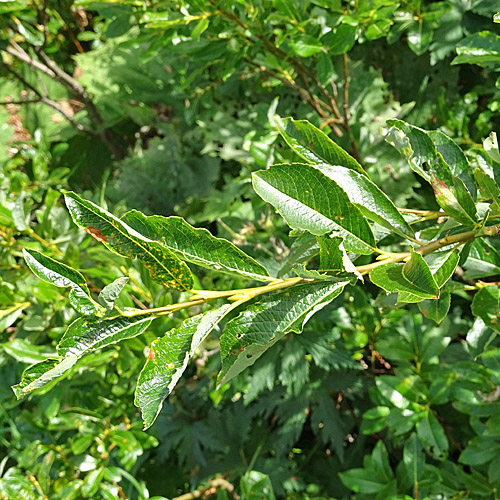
(371, 201)
(313, 145)
(413, 279)
(418, 273)
(486, 305)
(414, 459)
(111, 292)
(454, 157)
(39, 374)
(481, 48)
(306, 46)
(26, 352)
(443, 264)
(420, 36)
(326, 422)
(362, 481)
(490, 145)
(412, 143)
(9, 316)
(432, 435)
(480, 450)
(483, 260)
(168, 358)
(196, 245)
(164, 266)
(308, 199)
(452, 195)
(85, 334)
(256, 486)
(488, 189)
(63, 276)
(341, 40)
(436, 309)
(250, 334)
(330, 254)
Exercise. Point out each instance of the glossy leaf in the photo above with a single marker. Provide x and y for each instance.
(414, 144)
(63, 276)
(261, 325)
(370, 200)
(483, 260)
(85, 334)
(481, 48)
(164, 266)
(454, 157)
(308, 199)
(168, 358)
(9, 316)
(40, 374)
(453, 197)
(109, 294)
(196, 245)
(490, 145)
(313, 145)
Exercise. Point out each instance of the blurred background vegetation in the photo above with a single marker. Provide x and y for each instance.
(167, 107)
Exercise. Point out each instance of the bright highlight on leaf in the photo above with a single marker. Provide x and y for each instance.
(172, 353)
(61, 275)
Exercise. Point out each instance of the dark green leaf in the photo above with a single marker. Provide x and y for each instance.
(480, 451)
(436, 309)
(486, 305)
(431, 434)
(313, 145)
(196, 245)
(85, 334)
(340, 40)
(330, 254)
(168, 358)
(61, 275)
(308, 199)
(250, 334)
(414, 144)
(390, 277)
(164, 266)
(370, 200)
(483, 260)
(419, 275)
(42, 373)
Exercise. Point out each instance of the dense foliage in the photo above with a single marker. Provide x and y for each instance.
(318, 296)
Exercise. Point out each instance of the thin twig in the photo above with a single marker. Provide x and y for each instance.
(49, 102)
(354, 146)
(51, 69)
(214, 484)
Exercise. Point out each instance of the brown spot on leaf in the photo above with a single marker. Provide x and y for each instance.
(96, 233)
